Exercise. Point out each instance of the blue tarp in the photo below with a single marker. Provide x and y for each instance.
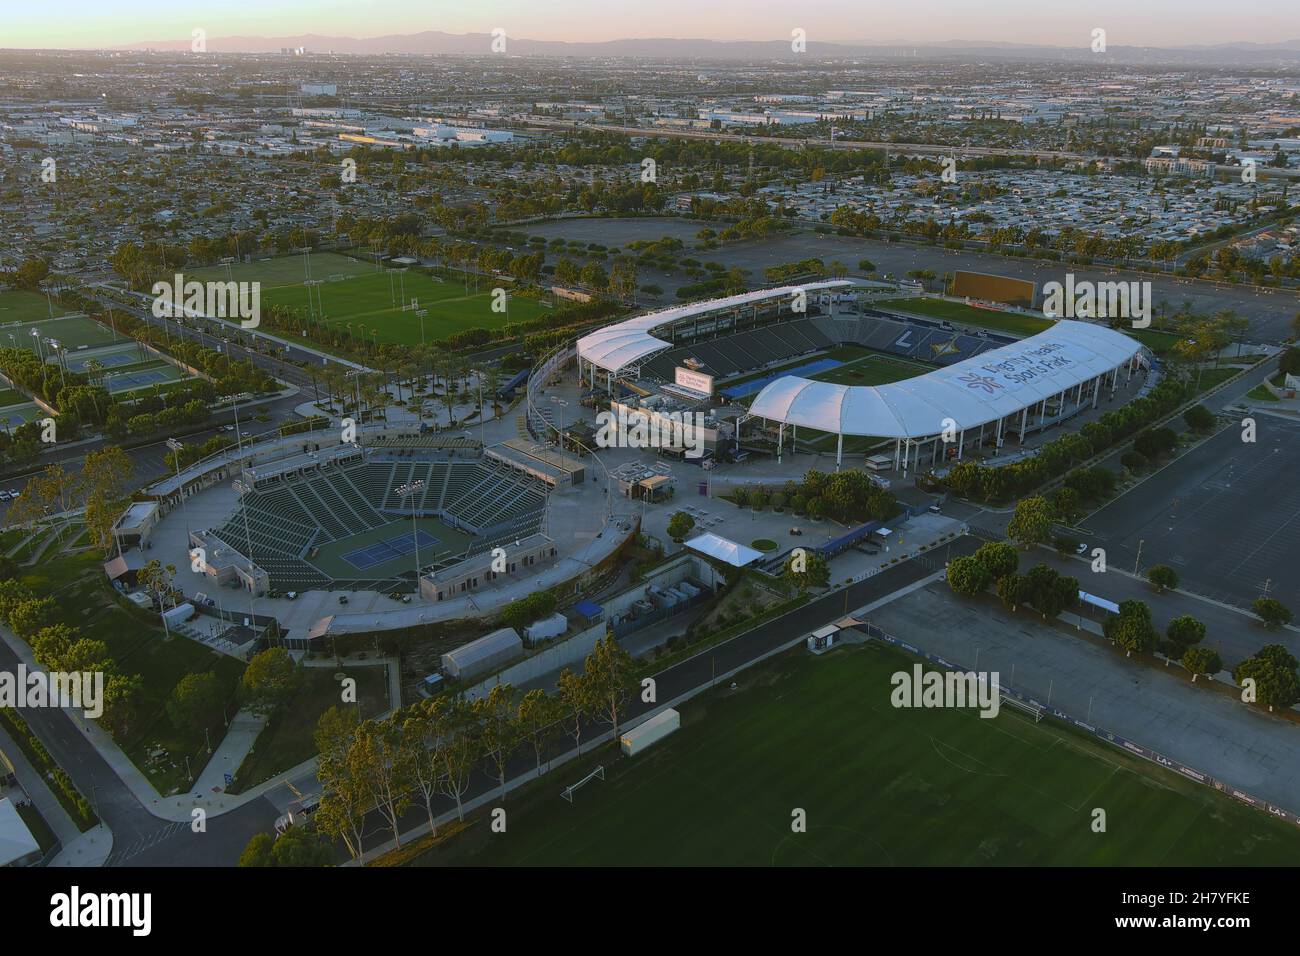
(589, 609)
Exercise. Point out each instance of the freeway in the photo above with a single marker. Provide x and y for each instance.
(798, 142)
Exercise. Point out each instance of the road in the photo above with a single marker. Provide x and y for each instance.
(139, 838)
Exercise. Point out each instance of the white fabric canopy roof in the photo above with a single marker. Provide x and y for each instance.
(723, 549)
(617, 346)
(994, 385)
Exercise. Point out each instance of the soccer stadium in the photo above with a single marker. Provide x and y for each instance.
(858, 371)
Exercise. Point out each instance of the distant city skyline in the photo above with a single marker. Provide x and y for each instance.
(81, 24)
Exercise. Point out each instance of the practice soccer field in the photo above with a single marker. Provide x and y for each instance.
(19, 305)
(73, 332)
(371, 300)
(879, 785)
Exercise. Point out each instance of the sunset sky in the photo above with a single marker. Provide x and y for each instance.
(106, 23)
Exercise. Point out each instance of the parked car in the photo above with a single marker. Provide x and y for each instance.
(291, 595)
(1082, 548)
(796, 531)
(343, 599)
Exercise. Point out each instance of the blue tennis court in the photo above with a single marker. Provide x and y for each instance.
(77, 363)
(758, 384)
(384, 551)
(128, 381)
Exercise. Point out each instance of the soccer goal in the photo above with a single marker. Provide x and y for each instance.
(1035, 711)
(597, 774)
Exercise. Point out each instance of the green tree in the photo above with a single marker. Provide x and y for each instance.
(1201, 660)
(502, 732)
(1271, 611)
(967, 576)
(610, 672)
(1131, 628)
(578, 703)
(680, 525)
(1032, 522)
(268, 680)
(540, 717)
(1162, 577)
(807, 569)
(1184, 631)
(1199, 418)
(999, 558)
(1013, 591)
(195, 701)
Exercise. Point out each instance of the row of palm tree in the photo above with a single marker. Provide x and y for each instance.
(417, 368)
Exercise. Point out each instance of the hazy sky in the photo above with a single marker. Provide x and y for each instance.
(103, 23)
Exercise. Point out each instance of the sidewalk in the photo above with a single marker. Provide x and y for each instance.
(176, 808)
(41, 795)
(91, 848)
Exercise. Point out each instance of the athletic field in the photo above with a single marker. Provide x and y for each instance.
(19, 305)
(371, 301)
(860, 366)
(74, 332)
(1010, 322)
(879, 785)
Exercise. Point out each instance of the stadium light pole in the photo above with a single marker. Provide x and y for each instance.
(562, 404)
(241, 489)
(176, 447)
(406, 491)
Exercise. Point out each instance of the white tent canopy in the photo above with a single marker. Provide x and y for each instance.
(974, 392)
(723, 549)
(617, 346)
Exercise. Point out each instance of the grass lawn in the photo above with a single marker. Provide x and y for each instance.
(9, 396)
(871, 369)
(369, 299)
(880, 786)
(85, 600)
(19, 305)
(286, 741)
(1011, 322)
(1261, 394)
(72, 332)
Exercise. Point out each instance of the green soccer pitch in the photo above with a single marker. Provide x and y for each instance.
(371, 300)
(879, 785)
(19, 305)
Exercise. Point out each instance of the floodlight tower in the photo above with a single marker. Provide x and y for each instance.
(406, 491)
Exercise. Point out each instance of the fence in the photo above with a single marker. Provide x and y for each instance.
(1191, 773)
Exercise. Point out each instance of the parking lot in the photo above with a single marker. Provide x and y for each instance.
(1226, 517)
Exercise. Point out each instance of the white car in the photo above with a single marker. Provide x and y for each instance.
(1082, 548)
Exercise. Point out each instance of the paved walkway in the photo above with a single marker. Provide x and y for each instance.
(34, 785)
(91, 848)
